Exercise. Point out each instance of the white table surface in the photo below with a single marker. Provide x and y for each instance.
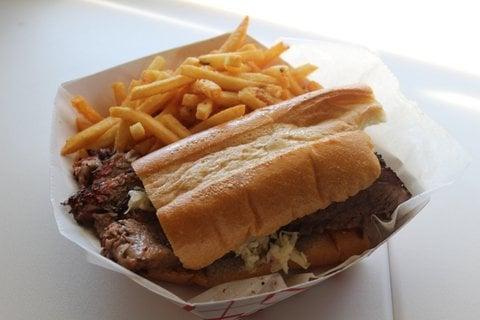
(428, 271)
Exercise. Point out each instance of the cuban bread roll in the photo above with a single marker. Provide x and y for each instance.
(217, 189)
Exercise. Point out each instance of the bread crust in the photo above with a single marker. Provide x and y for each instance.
(323, 157)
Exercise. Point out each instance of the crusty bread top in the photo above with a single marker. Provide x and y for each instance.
(216, 189)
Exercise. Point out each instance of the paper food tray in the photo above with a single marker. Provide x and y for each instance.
(421, 152)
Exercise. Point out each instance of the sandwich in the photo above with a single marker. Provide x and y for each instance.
(289, 187)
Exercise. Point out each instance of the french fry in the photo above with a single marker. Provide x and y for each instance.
(157, 63)
(280, 73)
(236, 70)
(82, 153)
(237, 37)
(137, 132)
(174, 125)
(220, 117)
(105, 140)
(148, 122)
(274, 90)
(304, 70)
(87, 136)
(221, 60)
(313, 85)
(122, 138)
(155, 103)
(82, 123)
(173, 105)
(253, 66)
(190, 99)
(264, 95)
(207, 87)
(248, 47)
(84, 108)
(160, 86)
(232, 62)
(248, 97)
(144, 146)
(272, 53)
(286, 94)
(171, 108)
(119, 92)
(293, 84)
(258, 77)
(149, 76)
(204, 109)
(224, 81)
(133, 83)
(227, 99)
(202, 92)
(190, 61)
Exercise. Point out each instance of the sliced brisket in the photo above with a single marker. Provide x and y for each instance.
(380, 199)
(137, 246)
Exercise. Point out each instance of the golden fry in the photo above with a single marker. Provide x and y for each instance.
(119, 92)
(224, 81)
(82, 123)
(221, 117)
(258, 77)
(150, 124)
(274, 90)
(137, 131)
(190, 99)
(144, 146)
(279, 72)
(272, 53)
(304, 70)
(286, 94)
(313, 85)
(122, 138)
(87, 136)
(234, 59)
(149, 76)
(84, 108)
(248, 97)
(105, 140)
(190, 61)
(219, 61)
(293, 85)
(207, 87)
(244, 67)
(204, 109)
(133, 83)
(155, 103)
(237, 37)
(174, 125)
(160, 86)
(158, 63)
(82, 153)
(248, 47)
(253, 66)
(227, 99)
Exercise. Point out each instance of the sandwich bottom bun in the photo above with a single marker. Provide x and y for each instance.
(322, 250)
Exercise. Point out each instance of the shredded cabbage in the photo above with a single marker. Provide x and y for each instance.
(278, 248)
(138, 200)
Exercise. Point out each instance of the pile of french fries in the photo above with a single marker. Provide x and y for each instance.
(164, 106)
